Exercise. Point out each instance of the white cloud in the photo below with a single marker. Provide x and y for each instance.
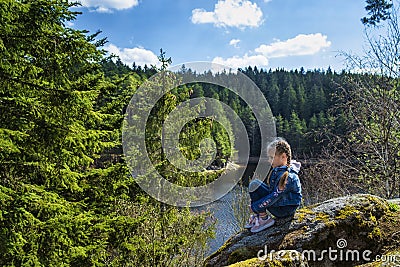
(231, 13)
(234, 43)
(138, 55)
(302, 44)
(102, 9)
(241, 62)
(107, 6)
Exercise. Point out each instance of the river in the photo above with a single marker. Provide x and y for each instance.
(230, 212)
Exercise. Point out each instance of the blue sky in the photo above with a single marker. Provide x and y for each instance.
(267, 33)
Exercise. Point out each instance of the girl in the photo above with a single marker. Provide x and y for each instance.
(280, 192)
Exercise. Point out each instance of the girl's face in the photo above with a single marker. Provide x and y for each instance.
(275, 159)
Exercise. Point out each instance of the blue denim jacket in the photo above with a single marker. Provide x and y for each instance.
(290, 196)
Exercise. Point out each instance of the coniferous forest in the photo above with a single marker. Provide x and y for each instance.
(67, 197)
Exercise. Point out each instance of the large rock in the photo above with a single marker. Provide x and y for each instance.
(344, 231)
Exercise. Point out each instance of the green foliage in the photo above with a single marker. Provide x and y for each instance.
(168, 238)
(307, 94)
(66, 195)
(48, 86)
(40, 228)
(299, 101)
(378, 10)
(191, 135)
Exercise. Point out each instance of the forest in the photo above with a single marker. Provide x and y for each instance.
(67, 196)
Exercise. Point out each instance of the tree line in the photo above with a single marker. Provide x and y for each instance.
(67, 196)
(299, 100)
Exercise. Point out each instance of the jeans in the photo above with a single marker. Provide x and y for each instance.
(258, 190)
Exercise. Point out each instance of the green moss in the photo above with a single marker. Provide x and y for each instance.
(394, 252)
(227, 244)
(223, 247)
(281, 259)
(241, 254)
(348, 211)
(288, 257)
(393, 207)
(307, 213)
(367, 214)
(304, 213)
(322, 217)
(300, 217)
(275, 263)
(363, 220)
(392, 262)
(379, 204)
(249, 263)
(375, 234)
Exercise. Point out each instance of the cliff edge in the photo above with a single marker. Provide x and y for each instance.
(346, 231)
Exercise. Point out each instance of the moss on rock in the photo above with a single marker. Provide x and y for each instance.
(366, 222)
(388, 259)
(241, 254)
(284, 258)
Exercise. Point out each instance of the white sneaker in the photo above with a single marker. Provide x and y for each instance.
(252, 220)
(262, 224)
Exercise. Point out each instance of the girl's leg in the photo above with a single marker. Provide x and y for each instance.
(257, 190)
(282, 212)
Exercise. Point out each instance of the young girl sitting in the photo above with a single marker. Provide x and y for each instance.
(280, 193)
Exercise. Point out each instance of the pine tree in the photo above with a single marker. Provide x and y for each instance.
(50, 136)
(59, 117)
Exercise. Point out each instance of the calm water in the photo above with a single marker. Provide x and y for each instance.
(223, 211)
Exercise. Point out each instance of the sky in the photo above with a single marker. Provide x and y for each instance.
(287, 34)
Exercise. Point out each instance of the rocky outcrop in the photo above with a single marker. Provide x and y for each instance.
(346, 231)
